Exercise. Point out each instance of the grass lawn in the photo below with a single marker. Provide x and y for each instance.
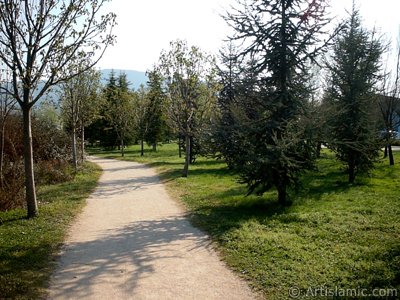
(335, 235)
(28, 247)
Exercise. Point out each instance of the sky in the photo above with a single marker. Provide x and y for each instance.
(146, 27)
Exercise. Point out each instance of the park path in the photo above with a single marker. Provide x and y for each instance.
(133, 242)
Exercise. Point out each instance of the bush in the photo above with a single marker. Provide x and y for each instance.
(12, 186)
(52, 172)
(51, 155)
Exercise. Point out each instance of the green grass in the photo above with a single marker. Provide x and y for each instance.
(334, 234)
(28, 247)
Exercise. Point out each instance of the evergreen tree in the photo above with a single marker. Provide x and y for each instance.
(268, 136)
(113, 127)
(140, 116)
(102, 130)
(354, 70)
(119, 110)
(154, 113)
(222, 142)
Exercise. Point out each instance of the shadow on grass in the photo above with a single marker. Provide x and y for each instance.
(130, 153)
(316, 184)
(12, 220)
(231, 207)
(217, 172)
(16, 268)
(220, 219)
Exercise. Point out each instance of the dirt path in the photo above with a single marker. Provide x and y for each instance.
(133, 242)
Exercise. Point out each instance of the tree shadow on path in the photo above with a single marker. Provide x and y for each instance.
(126, 256)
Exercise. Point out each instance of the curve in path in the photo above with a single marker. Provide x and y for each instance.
(133, 242)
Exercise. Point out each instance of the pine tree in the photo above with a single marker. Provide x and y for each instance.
(119, 110)
(354, 72)
(154, 113)
(140, 116)
(280, 38)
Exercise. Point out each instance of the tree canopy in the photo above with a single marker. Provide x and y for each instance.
(354, 71)
(279, 40)
(43, 43)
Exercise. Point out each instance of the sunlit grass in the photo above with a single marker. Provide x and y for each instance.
(28, 247)
(334, 234)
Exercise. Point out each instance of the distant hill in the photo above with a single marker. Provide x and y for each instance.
(135, 78)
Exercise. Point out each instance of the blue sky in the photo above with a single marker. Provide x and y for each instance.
(146, 27)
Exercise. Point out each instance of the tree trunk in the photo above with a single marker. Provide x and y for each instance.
(319, 147)
(352, 173)
(191, 157)
(281, 187)
(30, 191)
(82, 143)
(185, 171)
(141, 147)
(122, 147)
(155, 147)
(2, 154)
(74, 154)
(282, 197)
(179, 147)
(391, 158)
(385, 153)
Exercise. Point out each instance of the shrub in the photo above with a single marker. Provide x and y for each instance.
(12, 186)
(53, 171)
(51, 155)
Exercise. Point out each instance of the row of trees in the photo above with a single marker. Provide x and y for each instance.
(52, 153)
(272, 123)
(258, 109)
(44, 43)
(262, 108)
(125, 116)
(179, 103)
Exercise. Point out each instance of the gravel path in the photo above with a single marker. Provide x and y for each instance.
(133, 242)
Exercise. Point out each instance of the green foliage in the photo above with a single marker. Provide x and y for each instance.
(155, 117)
(334, 235)
(141, 117)
(80, 102)
(80, 99)
(52, 155)
(354, 72)
(266, 102)
(54, 42)
(189, 78)
(28, 247)
(115, 124)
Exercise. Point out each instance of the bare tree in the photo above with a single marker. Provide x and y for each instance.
(389, 105)
(79, 96)
(120, 115)
(90, 107)
(190, 81)
(41, 41)
(7, 104)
